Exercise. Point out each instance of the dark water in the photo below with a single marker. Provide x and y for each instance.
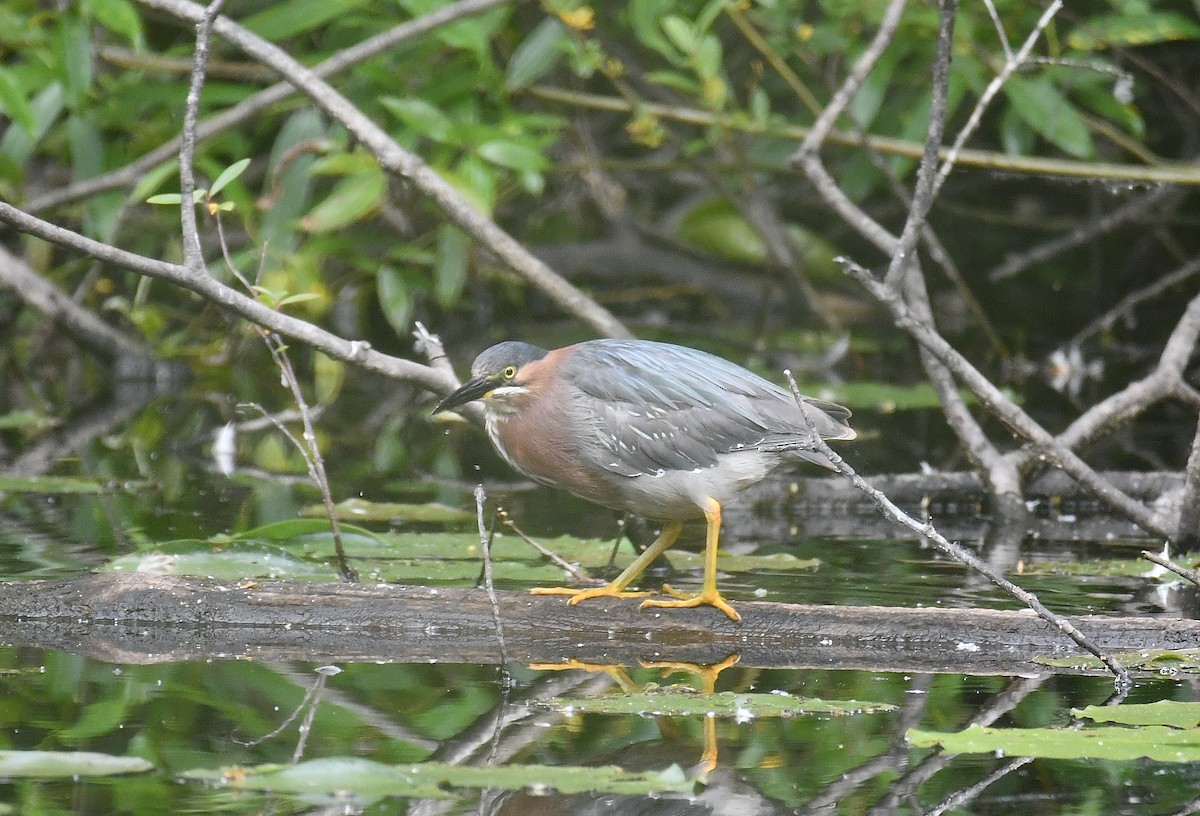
(207, 714)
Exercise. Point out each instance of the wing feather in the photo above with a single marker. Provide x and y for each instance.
(657, 407)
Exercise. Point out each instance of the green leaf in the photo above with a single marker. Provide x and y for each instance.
(1048, 112)
(293, 528)
(1164, 712)
(279, 21)
(450, 269)
(176, 198)
(708, 56)
(1133, 26)
(1151, 741)
(233, 561)
(395, 299)
(513, 155)
(17, 145)
(227, 175)
(14, 103)
(299, 297)
(328, 376)
(67, 765)
(680, 33)
(154, 179)
(351, 199)
(76, 55)
(718, 228)
(119, 16)
(644, 17)
(536, 55)
(26, 420)
(422, 117)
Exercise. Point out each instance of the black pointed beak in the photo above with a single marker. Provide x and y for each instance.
(469, 391)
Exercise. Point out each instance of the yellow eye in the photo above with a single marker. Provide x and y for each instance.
(510, 372)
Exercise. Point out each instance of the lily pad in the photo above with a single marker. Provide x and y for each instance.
(1151, 741)
(675, 702)
(67, 764)
(291, 529)
(1163, 661)
(1112, 568)
(393, 512)
(64, 485)
(365, 778)
(232, 561)
(1164, 712)
(303, 549)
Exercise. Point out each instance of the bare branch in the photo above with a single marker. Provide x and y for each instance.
(193, 257)
(1167, 563)
(866, 61)
(1122, 310)
(1011, 414)
(958, 553)
(902, 261)
(1080, 235)
(1011, 64)
(23, 282)
(356, 351)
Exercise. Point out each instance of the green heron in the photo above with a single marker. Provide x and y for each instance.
(657, 430)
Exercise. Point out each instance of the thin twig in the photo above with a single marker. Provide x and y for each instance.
(959, 798)
(1014, 61)
(314, 464)
(1124, 309)
(862, 66)
(485, 542)
(193, 256)
(576, 574)
(903, 261)
(1081, 234)
(1181, 571)
(312, 454)
(928, 532)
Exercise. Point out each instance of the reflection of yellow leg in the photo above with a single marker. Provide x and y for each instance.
(616, 589)
(708, 592)
(708, 685)
(613, 670)
(708, 759)
(708, 674)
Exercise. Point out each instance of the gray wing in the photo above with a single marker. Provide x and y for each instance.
(659, 407)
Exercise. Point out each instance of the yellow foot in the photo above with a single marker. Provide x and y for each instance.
(708, 598)
(578, 595)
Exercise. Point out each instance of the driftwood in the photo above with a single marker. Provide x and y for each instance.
(136, 618)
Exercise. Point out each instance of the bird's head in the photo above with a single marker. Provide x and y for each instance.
(501, 376)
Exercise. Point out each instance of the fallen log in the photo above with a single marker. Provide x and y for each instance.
(139, 618)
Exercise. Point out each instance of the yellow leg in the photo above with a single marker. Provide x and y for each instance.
(708, 592)
(616, 589)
